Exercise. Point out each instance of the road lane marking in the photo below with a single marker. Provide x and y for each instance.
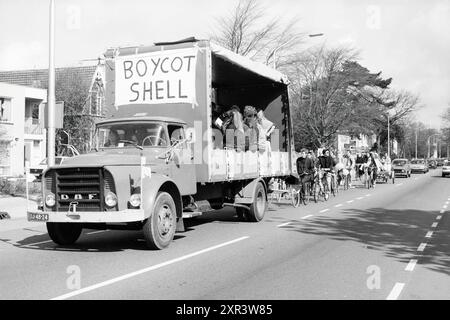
(429, 234)
(438, 217)
(411, 265)
(368, 195)
(324, 210)
(338, 205)
(99, 231)
(145, 270)
(400, 184)
(350, 201)
(444, 206)
(442, 211)
(36, 243)
(283, 224)
(395, 292)
(434, 225)
(422, 246)
(306, 217)
(359, 198)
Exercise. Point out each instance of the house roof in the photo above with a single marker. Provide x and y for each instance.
(38, 78)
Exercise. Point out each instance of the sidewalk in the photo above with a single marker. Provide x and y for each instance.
(16, 207)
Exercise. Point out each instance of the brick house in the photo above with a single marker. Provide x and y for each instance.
(92, 80)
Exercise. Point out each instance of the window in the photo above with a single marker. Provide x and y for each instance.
(176, 133)
(35, 113)
(5, 109)
(96, 99)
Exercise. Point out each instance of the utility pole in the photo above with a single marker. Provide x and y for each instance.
(416, 143)
(51, 89)
(389, 139)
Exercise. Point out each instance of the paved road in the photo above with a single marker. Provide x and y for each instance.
(391, 242)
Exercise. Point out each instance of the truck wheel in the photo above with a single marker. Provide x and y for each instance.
(159, 229)
(259, 206)
(64, 233)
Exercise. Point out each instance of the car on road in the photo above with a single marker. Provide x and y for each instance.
(38, 169)
(419, 165)
(440, 162)
(401, 167)
(446, 168)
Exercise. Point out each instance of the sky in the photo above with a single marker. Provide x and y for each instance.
(408, 40)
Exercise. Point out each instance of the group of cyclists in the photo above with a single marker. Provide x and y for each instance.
(323, 175)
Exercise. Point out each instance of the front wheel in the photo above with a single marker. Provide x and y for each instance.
(159, 228)
(64, 233)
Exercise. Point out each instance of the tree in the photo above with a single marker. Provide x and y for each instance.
(77, 120)
(249, 32)
(329, 93)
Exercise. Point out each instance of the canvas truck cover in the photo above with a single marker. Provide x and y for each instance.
(180, 80)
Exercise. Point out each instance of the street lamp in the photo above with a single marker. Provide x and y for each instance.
(274, 52)
(51, 88)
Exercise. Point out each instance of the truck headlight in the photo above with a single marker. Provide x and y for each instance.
(135, 200)
(50, 200)
(111, 199)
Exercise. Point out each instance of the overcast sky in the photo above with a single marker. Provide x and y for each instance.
(408, 40)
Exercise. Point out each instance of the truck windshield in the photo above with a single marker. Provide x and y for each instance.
(120, 135)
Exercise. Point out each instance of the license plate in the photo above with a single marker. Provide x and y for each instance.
(37, 216)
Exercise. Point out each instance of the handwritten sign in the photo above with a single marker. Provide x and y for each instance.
(156, 77)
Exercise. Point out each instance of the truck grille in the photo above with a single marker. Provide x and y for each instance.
(87, 186)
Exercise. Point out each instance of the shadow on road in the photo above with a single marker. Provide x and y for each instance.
(397, 233)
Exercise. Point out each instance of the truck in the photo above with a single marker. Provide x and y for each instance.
(159, 157)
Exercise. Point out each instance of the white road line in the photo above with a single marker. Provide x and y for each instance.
(422, 246)
(395, 292)
(359, 198)
(324, 210)
(415, 178)
(283, 224)
(434, 225)
(36, 243)
(438, 217)
(350, 201)
(411, 265)
(99, 231)
(338, 205)
(368, 195)
(442, 211)
(142, 271)
(429, 234)
(400, 184)
(306, 217)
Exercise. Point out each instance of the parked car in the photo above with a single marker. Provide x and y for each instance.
(446, 168)
(37, 170)
(419, 165)
(401, 167)
(440, 162)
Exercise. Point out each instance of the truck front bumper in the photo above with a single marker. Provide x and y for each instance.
(129, 215)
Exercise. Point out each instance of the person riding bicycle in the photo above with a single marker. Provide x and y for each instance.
(372, 167)
(327, 163)
(348, 166)
(361, 160)
(305, 169)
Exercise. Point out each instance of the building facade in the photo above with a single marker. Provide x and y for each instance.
(22, 133)
(88, 81)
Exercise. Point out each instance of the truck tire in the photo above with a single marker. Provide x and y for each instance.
(159, 228)
(259, 206)
(64, 233)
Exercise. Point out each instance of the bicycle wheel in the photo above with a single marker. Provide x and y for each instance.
(306, 195)
(295, 197)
